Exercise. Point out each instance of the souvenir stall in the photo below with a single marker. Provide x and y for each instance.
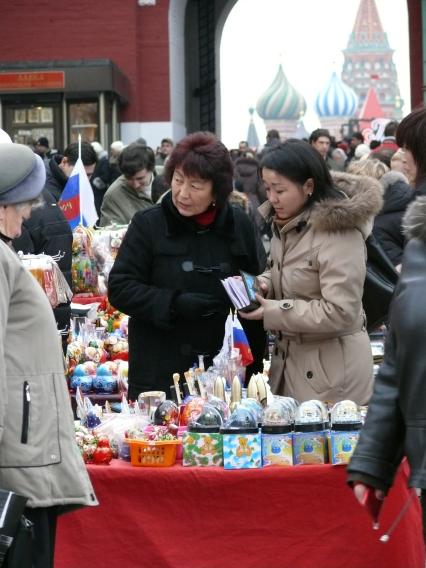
(219, 474)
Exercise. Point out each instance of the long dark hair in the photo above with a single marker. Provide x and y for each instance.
(298, 161)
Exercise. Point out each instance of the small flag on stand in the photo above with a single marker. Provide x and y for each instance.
(241, 341)
(77, 201)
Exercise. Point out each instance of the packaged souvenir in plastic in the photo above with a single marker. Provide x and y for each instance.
(277, 438)
(346, 424)
(83, 270)
(309, 438)
(241, 440)
(106, 242)
(202, 443)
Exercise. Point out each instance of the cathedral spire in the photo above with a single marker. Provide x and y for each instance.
(368, 30)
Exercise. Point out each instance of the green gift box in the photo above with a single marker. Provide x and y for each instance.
(202, 449)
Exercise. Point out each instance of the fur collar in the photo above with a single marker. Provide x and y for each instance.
(391, 177)
(363, 201)
(414, 222)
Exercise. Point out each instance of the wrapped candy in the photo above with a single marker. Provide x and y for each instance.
(47, 273)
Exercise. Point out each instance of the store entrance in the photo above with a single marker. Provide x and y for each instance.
(26, 123)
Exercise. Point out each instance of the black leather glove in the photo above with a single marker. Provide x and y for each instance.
(193, 305)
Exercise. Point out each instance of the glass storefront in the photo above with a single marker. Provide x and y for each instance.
(60, 100)
(83, 118)
(28, 123)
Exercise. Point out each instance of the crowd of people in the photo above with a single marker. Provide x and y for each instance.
(197, 213)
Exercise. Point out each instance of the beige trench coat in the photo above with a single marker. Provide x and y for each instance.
(315, 278)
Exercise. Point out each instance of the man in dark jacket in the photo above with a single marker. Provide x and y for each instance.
(57, 174)
(396, 420)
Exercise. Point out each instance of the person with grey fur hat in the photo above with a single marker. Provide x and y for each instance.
(38, 456)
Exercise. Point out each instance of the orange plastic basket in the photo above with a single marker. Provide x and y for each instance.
(145, 453)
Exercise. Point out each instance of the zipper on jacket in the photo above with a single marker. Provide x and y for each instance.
(26, 412)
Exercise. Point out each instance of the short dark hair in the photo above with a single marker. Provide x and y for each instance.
(136, 157)
(298, 161)
(374, 144)
(203, 154)
(358, 135)
(273, 134)
(315, 134)
(391, 128)
(411, 135)
(43, 141)
(88, 154)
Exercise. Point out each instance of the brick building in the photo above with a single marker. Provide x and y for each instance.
(124, 68)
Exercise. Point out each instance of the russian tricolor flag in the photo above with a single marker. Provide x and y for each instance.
(241, 341)
(77, 201)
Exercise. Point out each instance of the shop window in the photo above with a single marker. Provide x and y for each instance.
(83, 119)
(30, 123)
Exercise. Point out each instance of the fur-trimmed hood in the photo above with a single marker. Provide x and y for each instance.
(363, 201)
(397, 192)
(414, 221)
(390, 178)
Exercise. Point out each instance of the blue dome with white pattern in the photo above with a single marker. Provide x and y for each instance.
(337, 99)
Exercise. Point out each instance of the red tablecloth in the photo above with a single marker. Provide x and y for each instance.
(296, 517)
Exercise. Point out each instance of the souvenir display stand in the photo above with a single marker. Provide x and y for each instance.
(282, 517)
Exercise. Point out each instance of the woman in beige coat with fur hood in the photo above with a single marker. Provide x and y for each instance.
(314, 283)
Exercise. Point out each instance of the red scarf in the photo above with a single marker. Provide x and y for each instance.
(206, 218)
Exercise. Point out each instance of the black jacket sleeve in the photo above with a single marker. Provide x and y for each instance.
(380, 447)
(129, 286)
(397, 411)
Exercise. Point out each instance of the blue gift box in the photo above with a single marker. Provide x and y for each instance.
(242, 449)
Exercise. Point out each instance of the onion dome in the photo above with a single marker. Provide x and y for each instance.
(336, 99)
(280, 101)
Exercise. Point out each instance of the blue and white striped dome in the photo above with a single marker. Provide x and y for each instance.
(337, 99)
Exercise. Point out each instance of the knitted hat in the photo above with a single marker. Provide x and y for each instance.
(22, 174)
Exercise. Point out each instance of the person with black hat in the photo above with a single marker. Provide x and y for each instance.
(41, 148)
(38, 456)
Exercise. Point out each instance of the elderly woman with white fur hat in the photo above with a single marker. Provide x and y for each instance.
(38, 455)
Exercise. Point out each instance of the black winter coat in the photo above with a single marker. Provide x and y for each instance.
(387, 225)
(248, 179)
(47, 231)
(396, 419)
(163, 254)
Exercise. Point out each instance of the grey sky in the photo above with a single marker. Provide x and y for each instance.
(307, 37)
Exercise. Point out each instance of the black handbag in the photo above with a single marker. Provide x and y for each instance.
(16, 532)
(379, 285)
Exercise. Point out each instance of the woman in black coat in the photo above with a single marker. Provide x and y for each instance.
(387, 225)
(168, 270)
(396, 419)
